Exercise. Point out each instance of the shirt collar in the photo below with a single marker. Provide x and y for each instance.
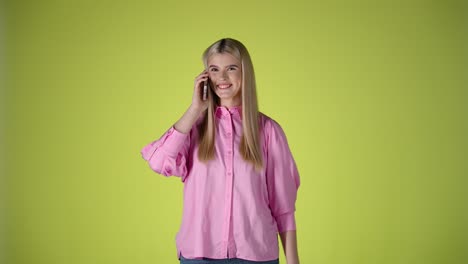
(225, 111)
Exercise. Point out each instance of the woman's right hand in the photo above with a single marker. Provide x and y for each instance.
(197, 101)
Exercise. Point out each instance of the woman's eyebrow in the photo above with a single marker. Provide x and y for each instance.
(226, 66)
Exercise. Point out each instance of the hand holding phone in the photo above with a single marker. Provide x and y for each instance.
(205, 89)
(201, 92)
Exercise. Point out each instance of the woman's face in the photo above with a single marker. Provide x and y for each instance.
(225, 73)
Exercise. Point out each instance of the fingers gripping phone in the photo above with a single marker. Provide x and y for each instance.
(205, 89)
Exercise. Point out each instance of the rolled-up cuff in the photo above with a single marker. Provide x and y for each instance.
(147, 151)
(174, 141)
(286, 222)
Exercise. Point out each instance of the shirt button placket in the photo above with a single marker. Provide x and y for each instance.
(229, 180)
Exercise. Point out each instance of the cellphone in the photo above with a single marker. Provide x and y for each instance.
(205, 89)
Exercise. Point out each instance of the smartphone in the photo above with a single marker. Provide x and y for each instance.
(205, 89)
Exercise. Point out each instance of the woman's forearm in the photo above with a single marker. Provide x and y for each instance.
(289, 241)
(185, 123)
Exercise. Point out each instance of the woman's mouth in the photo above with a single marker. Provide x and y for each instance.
(224, 86)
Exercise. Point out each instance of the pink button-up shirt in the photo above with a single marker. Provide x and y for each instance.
(230, 210)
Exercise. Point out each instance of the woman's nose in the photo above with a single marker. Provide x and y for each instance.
(223, 75)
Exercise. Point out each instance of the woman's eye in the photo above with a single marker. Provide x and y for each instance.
(233, 68)
(213, 69)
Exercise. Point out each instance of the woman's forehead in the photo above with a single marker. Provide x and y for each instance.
(222, 59)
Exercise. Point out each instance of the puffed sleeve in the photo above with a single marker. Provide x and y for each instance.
(168, 155)
(282, 178)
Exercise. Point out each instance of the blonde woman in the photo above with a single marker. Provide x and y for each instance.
(240, 178)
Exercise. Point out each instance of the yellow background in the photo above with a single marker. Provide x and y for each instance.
(372, 96)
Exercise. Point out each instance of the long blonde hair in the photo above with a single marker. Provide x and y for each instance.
(250, 146)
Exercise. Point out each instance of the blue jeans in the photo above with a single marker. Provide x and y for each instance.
(224, 261)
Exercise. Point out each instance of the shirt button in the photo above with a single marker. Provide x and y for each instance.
(228, 133)
(229, 173)
(229, 152)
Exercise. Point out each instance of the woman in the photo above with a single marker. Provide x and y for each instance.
(240, 178)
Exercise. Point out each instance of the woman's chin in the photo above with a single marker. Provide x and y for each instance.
(224, 95)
